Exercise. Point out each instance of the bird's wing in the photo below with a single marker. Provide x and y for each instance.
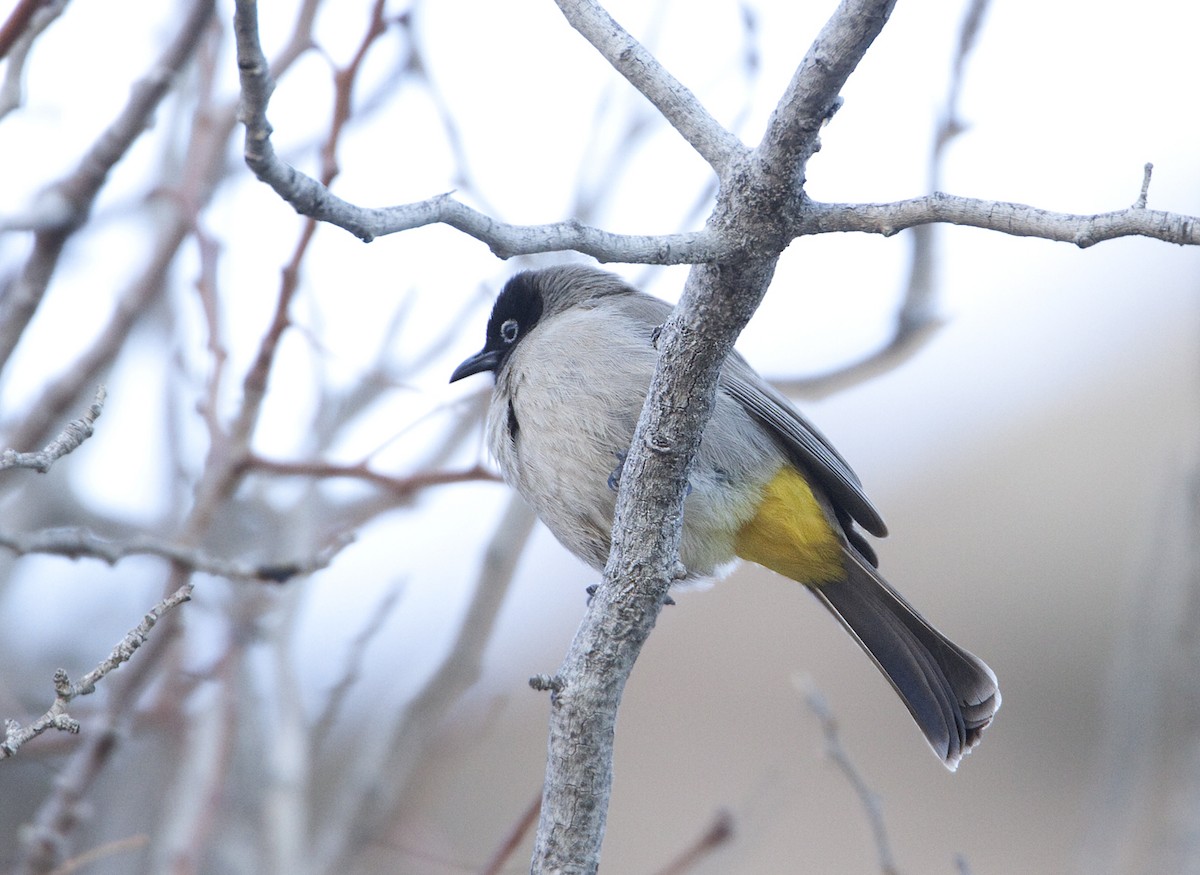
(803, 441)
(800, 438)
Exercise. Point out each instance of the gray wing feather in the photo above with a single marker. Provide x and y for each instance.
(803, 441)
(800, 438)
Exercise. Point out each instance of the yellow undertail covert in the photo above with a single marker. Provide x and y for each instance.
(790, 533)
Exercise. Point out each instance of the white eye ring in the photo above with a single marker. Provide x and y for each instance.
(509, 330)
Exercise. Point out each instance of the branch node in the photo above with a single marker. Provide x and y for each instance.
(66, 723)
(657, 445)
(68, 440)
(62, 684)
(1140, 203)
(547, 682)
(1084, 236)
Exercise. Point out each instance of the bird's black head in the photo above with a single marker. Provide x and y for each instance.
(517, 309)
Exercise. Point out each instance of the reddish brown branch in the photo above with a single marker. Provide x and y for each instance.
(17, 22)
(343, 82)
(718, 833)
(515, 836)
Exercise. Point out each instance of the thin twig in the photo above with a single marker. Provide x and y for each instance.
(24, 25)
(64, 206)
(670, 97)
(918, 308)
(75, 433)
(401, 487)
(385, 761)
(718, 833)
(101, 852)
(352, 670)
(1144, 194)
(836, 751)
(77, 543)
(916, 320)
(513, 840)
(65, 691)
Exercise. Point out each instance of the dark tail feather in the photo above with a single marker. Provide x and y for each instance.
(951, 693)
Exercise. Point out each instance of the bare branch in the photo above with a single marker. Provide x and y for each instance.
(1019, 220)
(17, 34)
(386, 759)
(834, 749)
(352, 670)
(64, 690)
(718, 833)
(1144, 194)
(916, 319)
(513, 840)
(75, 543)
(80, 862)
(670, 97)
(65, 205)
(76, 432)
(18, 23)
(791, 138)
(811, 97)
(310, 198)
(402, 487)
(718, 300)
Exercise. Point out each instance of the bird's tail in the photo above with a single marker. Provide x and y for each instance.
(951, 693)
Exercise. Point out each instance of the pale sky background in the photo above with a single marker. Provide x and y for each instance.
(1019, 459)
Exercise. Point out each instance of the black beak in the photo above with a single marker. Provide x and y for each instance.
(484, 360)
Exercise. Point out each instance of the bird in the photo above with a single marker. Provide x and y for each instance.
(573, 350)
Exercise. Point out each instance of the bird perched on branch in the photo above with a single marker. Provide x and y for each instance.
(573, 353)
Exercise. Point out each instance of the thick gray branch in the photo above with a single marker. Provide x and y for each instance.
(761, 207)
(717, 302)
(812, 95)
(791, 138)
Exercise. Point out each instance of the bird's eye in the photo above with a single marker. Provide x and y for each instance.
(509, 330)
